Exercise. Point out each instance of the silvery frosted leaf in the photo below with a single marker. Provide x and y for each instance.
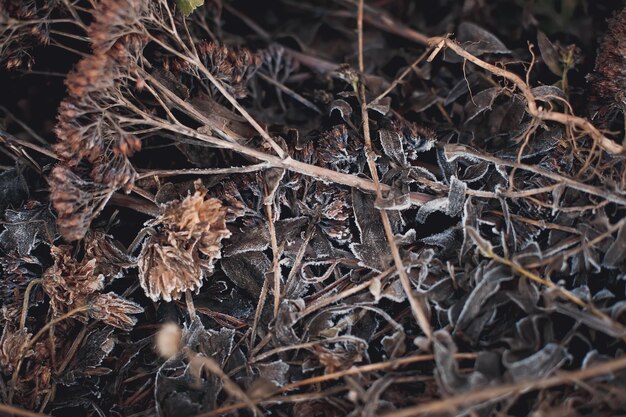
(542, 363)
(255, 238)
(26, 227)
(342, 106)
(456, 197)
(449, 377)
(373, 251)
(588, 319)
(13, 189)
(462, 87)
(442, 291)
(394, 292)
(247, 270)
(432, 206)
(616, 254)
(548, 92)
(481, 102)
(97, 346)
(483, 245)
(486, 288)
(540, 145)
(277, 372)
(392, 145)
(381, 106)
(475, 172)
(447, 238)
(395, 344)
(448, 166)
(480, 41)
(550, 54)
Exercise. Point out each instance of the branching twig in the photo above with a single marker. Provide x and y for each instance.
(453, 404)
(531, 102)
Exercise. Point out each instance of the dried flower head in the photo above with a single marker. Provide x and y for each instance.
(114, 310)
(76, 200)
(69, 282)
(72, 283)
(185, 247)
(232, 66)
(338, 150)
(168, 340)
(11, 347)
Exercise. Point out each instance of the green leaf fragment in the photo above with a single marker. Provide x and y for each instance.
(188, 6)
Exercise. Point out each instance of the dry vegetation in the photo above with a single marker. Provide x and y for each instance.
(312, 208)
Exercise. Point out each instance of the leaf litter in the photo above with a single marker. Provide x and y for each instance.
(339, 208)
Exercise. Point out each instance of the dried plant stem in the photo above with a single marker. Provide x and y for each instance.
(454, 404)
(275, 253)
(419, 310)
(200, 171)
(29, 343)
(355, 370)
(531, 102)
(25, 302)
(233, 389)
(288, 163)
(16, 411)
(488, 252)
(193, 60)
(567, 254)
(461, 150)
(257, 313)
(191, 308)
(307, 345)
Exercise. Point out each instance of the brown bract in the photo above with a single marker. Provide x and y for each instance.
(114, 310)
(185, 246)
(71, 283)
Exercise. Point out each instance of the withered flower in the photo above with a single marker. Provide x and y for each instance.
(168, 340)
(185, 246)
(76, 200)
(70, 283)
(11, 347)
(337, 149)
(114, 310)
(232, 66)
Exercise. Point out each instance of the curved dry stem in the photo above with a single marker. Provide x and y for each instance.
(531, 101)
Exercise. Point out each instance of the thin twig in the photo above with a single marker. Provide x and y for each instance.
(531, 102)
(453, 151)
(13, 410)
(418, 308)
(454, 404)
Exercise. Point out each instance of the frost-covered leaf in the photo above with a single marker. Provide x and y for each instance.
(247, 270)
(481, 102)
(373, 251)
(550, 54)
(26, 227)
(540, 364)
(480, 41)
